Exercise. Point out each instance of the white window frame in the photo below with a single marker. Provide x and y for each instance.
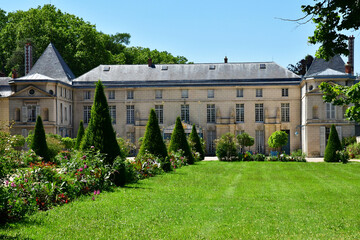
(284, 92)
(330, 111)
(240, 92)
(285, 112)
(112, 110)
(240, 112)
(211, 93)
(184, 93)
(158, 94)
(130, 114)
(211, 113)
(112, 94)
(159, 110)
(259, 112)
(87, 95)
(259, 92)
(185, 113)
(130, 94)
(87, 114)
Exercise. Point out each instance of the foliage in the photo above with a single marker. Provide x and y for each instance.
(126, 146)
(178, 141)
(343, 156)
(278, 139)
(100, 132)
(80, 135)
(353, 150)
(68, 142)
(80, 44)
(39, 144)
(177, 159)
(332, 146)
(121, 173)
(301, 67)
(226, 148)
(259, 157)
(346, 141)
(153, 142)
(298, 156)
(245, 140)
(195, 143)
(146, 165)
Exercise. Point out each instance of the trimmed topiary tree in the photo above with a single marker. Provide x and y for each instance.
(195, 143)
(38, 143)
(179, 141)
(277, 140)
(226, 148)
(332, 146)
(100, 132)
(80, 134)
(153, 141)
(245, 140)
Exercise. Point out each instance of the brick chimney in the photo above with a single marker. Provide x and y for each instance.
(225, 59)
(150, 62)
(351, 54)
(28, 58)
(348, 68)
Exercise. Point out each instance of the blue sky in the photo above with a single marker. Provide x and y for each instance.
(202, 31)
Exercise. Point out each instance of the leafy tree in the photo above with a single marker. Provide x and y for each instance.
(195, 143)
(301, 67)
(38, 143)
(277, 140)
(245, 140)
(179, 141)
(226, 148)
(153, 141)
(100, 133)
(331, 19)
(332, 146)
(80, 134)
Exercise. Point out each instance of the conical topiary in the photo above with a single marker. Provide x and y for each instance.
(39, 144)
(80, 135)
(153, 141)
(195, 143)
(332, 146)
(100, 132)
(178, 141)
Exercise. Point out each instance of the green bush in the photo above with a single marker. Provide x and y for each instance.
(178, 141)
(80, 135)
(226, 148)
(298, 156)
(68, 143)
(332, 146)
(259, 157)
(245, 140)
(126, 146)
(195, 143)
(277, 140)
(55, 145)
(39, 144)
(346, 141)
(343, 156)
(353, 150)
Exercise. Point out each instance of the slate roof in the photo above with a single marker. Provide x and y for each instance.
(52, 65)
(5, 89)
(35, 76)
(334, 67)
(189, 74)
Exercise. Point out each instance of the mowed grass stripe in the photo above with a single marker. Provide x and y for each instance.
(215, 200)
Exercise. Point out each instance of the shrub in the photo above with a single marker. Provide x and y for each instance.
(39, 144)
(126, 146)
(346, 141)
(177, 159)
(277, 140)
(343, 156)
(245, 140)
(100, 133)
(178, 141)
(80, 135)
(55, 145)
(226, 148)
(68, 143)
(298, 156)
(119, 174)
(195, 143)
(146, 165)
(153, 142)
(259, 157)
(353, 150)
(332, 146)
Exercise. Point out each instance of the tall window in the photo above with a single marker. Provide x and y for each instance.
(65, 113)
(211, 113)
(260, 141)
(330, 111)
(158, 94)
(285, 112)
(184, 93)
(284, 92)
(112, 94)
(259, 92)
(211, 93)
(87, 95)
(112, 110)
(239, 92)
(259, 112)
(240, 114)
(61, 92)
(130, 119)
(130, 94)
(31, 112)
(87, 114)
(61, 112)
(185, 115)
(159, 110)
(70, 114)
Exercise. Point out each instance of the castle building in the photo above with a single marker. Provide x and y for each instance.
(256, 97)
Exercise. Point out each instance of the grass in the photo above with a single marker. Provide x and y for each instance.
(214, 200)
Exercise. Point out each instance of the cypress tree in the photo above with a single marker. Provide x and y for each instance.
(179, 141)
(39, 144)
(153, 141)
(80, 135)
(332, 146)
(195, 142)
(100, 132)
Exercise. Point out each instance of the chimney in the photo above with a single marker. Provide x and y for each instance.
(28, 58)
(14, 74)
(348, 68)
(351, 53)
(225, 59)
(150, 62)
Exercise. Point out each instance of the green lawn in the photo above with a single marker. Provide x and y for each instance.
(215, 200)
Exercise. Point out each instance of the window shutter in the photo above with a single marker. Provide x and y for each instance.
(37, 110)
(24, 114)
(338, 129)
(322, 141)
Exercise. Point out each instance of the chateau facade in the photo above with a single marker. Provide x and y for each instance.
(257, 98)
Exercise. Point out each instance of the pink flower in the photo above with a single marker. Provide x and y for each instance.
(26, 180)
(7, 183)
(92, 147)
(98, 192)
(84, 156)
(80, 169)
(94, 192)
(85, 166)
(93, 198)
(13, 184)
